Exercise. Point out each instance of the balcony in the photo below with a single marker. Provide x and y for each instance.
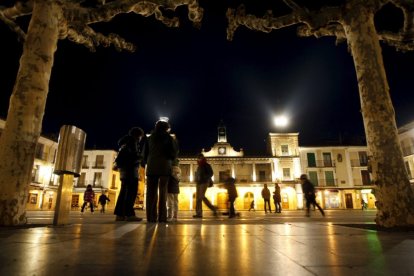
(265, 178)
(359, 163)
(362, 182)
(286, 154)
(41, 156)
(244, 178)
(321, 164)
(323, 182)
(95, 184)
(81, 184)
(98, 165)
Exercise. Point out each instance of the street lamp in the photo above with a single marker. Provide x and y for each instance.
(281, 121)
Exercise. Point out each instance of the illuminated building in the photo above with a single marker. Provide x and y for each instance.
(340, 173)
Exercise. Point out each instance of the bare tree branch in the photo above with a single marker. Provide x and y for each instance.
(86, 36)
(325, 22)
(265, 24)
(77, 16)
(18, 10)
(21, 35)
(314, 20)
(333, 29)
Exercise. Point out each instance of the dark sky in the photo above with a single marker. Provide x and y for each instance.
(197, 78)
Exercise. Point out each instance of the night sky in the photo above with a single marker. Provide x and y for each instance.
(197, 78)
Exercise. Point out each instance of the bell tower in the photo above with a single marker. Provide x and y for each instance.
(222, 135)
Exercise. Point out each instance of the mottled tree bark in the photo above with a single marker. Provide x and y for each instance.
(26, 110)
(395, 201)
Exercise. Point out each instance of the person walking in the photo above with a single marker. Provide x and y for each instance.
(88, 197)
(203, 176)
(252, 206)
(363, 204)
(127, 162)
(173, 191)
(266, 198)
(103, 199)
(277, 199)
(230, 185)
(309, 192)
(160, 152)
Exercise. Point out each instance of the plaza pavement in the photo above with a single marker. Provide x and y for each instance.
(342, 243)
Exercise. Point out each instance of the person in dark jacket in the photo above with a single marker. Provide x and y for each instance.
(203, 176)
(277, 199)
(160, 152)
(230, 185)
(266, 198)
(88, 197)
(103, 199)
(309, 194)
(128, 162)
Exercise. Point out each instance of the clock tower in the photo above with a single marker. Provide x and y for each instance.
(222, 148)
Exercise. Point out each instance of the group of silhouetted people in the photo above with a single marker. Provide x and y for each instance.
(158, 154)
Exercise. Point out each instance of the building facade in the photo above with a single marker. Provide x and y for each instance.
(340, 173)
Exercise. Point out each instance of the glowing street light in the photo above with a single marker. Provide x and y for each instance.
(281, 121)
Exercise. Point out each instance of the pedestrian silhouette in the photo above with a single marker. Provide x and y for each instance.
(127, 162)
(309, 193)
(103, 199)
(266, 198)
(277, 199)
(252, 206)
(88, 198)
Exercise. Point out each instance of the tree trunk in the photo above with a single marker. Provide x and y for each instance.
(395, 201)
(26, 110)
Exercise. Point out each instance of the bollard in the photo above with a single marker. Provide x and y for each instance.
(68, 165)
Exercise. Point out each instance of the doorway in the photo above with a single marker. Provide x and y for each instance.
(348, 201)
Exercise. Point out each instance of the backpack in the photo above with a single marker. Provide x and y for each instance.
(124, 159)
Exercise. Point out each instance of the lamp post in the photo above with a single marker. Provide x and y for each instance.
(67, 166)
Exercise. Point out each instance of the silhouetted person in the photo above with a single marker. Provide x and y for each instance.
(88, 197)
(203, 176)
(309, 193)
(160, 152)
(277, 199)
(266, 198)
(128, 162)
(252, 206)
(173, 191)
(363, 204)
(230, 185)
(103, 199)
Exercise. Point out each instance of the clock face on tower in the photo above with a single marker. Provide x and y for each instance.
(222, 150)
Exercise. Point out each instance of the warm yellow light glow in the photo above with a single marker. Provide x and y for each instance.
(45, 173)
(281, 121)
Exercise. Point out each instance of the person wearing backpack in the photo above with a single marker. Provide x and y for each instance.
(203, 176)
(127, 162)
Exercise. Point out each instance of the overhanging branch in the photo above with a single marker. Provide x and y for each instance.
(21, 35)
